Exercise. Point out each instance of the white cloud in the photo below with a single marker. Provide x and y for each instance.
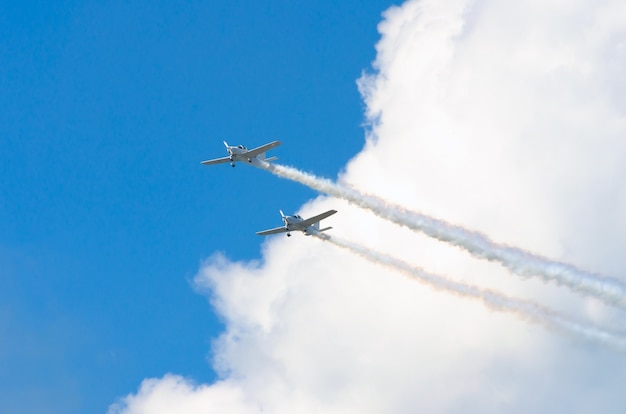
(506, 117)
(175, 394)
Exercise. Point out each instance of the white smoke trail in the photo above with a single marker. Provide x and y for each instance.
(520, 262)
(526, 310)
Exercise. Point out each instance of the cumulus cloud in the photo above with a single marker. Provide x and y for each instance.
(506, 117)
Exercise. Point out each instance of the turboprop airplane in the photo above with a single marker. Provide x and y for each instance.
(241, 153)
(310, 226)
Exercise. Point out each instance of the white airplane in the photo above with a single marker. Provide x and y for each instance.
(241, 153)
(310, 226)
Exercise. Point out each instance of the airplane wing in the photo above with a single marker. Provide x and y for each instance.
(310, 221)
(276, 230)
(263, 148)
(216, 161)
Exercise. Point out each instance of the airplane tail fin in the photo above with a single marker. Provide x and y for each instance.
(316, 231)
(316, 226)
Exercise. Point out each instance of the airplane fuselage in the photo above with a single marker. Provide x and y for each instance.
(237, 153)
(310, 226)
(294, 223)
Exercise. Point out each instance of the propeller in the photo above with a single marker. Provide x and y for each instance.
(226, 144)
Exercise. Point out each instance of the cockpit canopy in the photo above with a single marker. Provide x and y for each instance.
(242, 147)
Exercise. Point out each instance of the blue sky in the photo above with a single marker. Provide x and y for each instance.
(106, 213)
